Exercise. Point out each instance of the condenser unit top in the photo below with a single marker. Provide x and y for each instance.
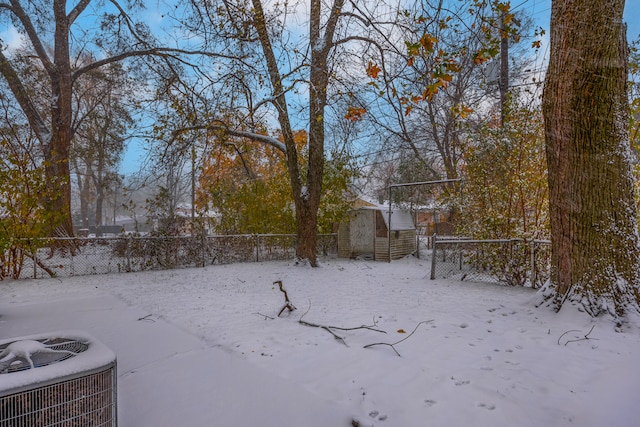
(45, 358)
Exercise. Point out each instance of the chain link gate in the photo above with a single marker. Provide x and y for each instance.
(515, 262)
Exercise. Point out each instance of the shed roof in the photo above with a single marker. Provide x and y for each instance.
(401, 219)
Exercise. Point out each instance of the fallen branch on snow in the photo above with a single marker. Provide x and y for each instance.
(287, 304)
(398, 342)
(330, 328)
(586, 337)
(147, 317)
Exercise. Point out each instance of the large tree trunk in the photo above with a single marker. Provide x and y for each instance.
(306, 197)
(57, 165)
(300, 193)
(318, 79)
(595, 256)
(58, 197)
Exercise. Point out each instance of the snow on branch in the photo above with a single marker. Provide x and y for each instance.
(265, 139)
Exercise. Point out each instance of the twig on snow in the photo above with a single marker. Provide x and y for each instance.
(398, 342)
(586, 337)
(147, 317)
(265, 316)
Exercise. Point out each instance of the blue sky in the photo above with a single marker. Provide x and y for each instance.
(539, 10)
(632, 17)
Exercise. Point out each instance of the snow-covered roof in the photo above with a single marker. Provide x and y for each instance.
(401, 219)
(184, 210)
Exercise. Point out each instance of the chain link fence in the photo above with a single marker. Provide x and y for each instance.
(102, 255)
(514, 262)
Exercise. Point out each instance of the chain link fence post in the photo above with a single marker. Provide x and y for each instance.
(73, 247)
(532, 273)
(127, 251)
(433, 257)
(203, 249)
(35, 261)
(257, 243)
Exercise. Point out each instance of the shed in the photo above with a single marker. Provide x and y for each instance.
(364, 233)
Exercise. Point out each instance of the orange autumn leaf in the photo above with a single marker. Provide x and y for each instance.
(427, 41)
(373, 70)
(355, 114)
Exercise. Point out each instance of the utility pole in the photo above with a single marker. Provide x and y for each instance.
(504, 68)
(193, 187)
(115, 197)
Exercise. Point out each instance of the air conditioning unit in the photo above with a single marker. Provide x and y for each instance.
(64, 378)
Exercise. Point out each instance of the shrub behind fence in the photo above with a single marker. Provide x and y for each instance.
(515, 262)
(103, 255)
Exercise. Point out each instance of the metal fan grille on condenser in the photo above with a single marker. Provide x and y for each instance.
(36, 390)
(40, 359)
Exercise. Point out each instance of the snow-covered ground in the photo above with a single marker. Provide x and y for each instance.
(205, 347)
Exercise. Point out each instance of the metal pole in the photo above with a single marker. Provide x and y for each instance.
(440, 181)
(35, 261)
(128, 242)
(203, 245)
(433, 258)
(532, 274)
(257, 240)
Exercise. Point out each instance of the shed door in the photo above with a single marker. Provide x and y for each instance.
(362, 233)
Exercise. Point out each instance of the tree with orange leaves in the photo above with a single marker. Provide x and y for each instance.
(247, 183)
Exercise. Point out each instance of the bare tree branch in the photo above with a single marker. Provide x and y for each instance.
(164, 52)
(330, 328)
(76, 11)
(24, 19)
(398, 342)
(21, 94)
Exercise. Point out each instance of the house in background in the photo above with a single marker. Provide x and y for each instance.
(433, 220)
(204, 221)
(365, 233)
